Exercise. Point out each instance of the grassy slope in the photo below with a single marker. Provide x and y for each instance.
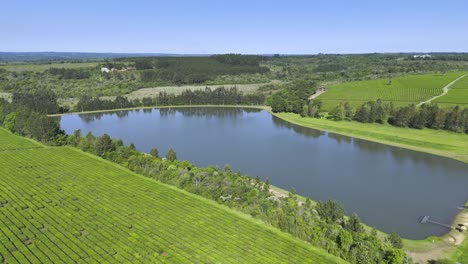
(443, 143)
(59, 204)
(458, 94)
(402, 91)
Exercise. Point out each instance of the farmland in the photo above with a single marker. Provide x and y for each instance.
(404, 90)
(457, 95)
(40, 67)
(60, 205)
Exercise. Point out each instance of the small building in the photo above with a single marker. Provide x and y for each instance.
(104, 69)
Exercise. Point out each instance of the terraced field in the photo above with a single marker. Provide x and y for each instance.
(457, 95)
(59, 205)
(403, 90)
(11, 142)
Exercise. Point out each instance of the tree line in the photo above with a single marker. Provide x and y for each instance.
(218, 96)
(427, 116)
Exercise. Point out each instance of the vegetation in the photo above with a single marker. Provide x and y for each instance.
(404, 90)
(457, 95)
(71, 207)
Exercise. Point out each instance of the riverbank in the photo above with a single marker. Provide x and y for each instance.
(261, 107)
(437, 142)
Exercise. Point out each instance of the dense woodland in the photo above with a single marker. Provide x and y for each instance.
(323, 224)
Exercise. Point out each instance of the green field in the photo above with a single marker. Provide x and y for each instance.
(457, 95)
(45, 66)
(438, 142)
(60, 205)
(404, 90)
(10, 142)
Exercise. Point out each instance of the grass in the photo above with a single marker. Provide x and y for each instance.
(438, 142)
(460, 255)
(42, 67)
(9, 141)
(457, 95)
(58, 204)
(403, 90)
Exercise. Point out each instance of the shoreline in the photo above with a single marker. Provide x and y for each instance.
(417, 248)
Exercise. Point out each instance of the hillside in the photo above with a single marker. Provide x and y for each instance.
(405, 90)
(60, 205)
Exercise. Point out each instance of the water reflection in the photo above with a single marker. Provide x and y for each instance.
(307, 132)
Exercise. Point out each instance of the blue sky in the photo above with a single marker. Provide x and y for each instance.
(255, 27)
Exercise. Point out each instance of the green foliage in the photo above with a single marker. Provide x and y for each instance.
(104, 144)
(331, 211)
(293, 97)
(395, 240)
(154, 152)
(9, 121)
(171, 155)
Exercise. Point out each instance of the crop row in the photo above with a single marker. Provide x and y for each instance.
(64, 206)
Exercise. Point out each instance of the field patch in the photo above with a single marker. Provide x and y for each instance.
(61, 205)
(457, 95)
(8, 141)
(177, 90)
(404, 90)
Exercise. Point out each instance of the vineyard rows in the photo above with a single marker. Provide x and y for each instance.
(58, 205)
(404, 90)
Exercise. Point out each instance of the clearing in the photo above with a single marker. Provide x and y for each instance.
(58, 204)
(154, 92)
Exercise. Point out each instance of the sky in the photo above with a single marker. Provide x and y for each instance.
(240, 26)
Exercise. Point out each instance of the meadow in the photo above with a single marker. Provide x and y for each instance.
(457, 95)
(404, 90)
(61, 205)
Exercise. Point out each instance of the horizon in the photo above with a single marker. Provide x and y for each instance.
(259, 27)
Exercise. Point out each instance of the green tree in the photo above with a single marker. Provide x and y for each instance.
(9, 122)
(305, 111)
(104, 144)
(395, 240)
(338, 112)
(354, 224)
(154, 152)
(171, 155)
(330, 211)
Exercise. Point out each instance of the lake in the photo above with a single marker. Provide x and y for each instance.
(388, 187)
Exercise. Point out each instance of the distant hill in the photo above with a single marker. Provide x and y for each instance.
(70, 56)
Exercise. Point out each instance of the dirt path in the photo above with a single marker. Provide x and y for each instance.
(445, 91)
(315, 95)
(449, 242)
